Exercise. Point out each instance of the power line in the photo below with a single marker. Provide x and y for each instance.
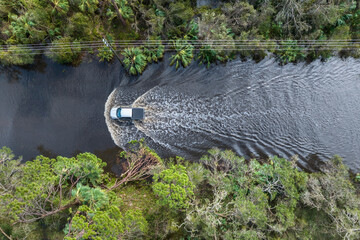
(171, 50)
(286, 42)
(195, 46)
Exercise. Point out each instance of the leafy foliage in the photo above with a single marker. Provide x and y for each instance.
(134, 60)
(15, 55)
(86, 168)
(42, 188)
(240, 16)
(207, 55)
(105, 53)
(154, 52)
(88, 223)
(223, 196)
(245, 199)
(173, 187)
(87, 5)
(183, 55)
(66, 23)
(218, 41)
(125, 10)
(65, 51)
(333, 194)
(290, 52)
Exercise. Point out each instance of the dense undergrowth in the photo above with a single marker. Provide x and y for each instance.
(141, 30)
(222, 196)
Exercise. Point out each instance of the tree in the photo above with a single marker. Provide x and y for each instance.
(332, 193)
(183, 55)
(122, 10)
(59, 6)
(173, 187)
(216, 34)
(207, 55)
(25, 28)
(134, 60)
(140, 163)
(245, 200)
(69, 190)
(101, 218)
(88, 223)
(87, 5)
(79, 26)
(65, 51)
(43, 188)
(177, 14)
(16, 55)
(290, 51)
(291, 15)
(135, 225)
(105, 53)
(240, 16)
(154, 52)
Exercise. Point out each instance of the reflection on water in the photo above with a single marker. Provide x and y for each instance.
(252, 108)
(256, 109)
(53, 109)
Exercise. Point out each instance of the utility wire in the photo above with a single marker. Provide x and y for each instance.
(212, 49)
(198, 45)
(171, 46)
(156, 42)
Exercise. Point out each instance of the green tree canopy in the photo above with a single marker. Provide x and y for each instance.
(173, 187)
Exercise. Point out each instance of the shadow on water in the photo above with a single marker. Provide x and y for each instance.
(110, 156)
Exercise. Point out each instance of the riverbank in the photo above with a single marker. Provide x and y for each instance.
(221, 196)
(255, 109)
(61, 110)
(140, 32)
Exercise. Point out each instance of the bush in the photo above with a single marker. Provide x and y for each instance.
(183, 55)
(16, 55)
(289, 51)
(134, 60)
(65, 51)
(173, 187)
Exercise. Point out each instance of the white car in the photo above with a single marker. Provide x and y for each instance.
(126, 113)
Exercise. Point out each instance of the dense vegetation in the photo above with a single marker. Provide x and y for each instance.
(222, 196)
(141, 30)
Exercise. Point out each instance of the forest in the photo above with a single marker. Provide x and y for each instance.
(220, 196)
(138, 32)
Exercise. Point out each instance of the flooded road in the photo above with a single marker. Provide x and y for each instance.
(53, 109)
(255, 109)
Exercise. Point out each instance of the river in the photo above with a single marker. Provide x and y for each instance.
(256, 109)
(53, 109)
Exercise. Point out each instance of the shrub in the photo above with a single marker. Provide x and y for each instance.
(134, 60)
(65, 51)
(16, 55)
(173, 187)
(183, 55)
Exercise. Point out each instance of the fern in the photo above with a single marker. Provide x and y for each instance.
(135, 60)
(183, 55)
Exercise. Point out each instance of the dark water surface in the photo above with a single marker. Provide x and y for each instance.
(256, 109)
(55, 109)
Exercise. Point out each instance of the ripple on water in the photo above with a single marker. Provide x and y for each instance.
(260, 108)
